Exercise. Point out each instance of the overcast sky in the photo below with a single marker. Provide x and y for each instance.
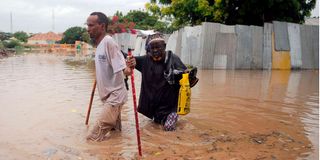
(36, 15)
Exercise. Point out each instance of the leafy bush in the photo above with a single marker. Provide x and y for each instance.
(11, 44)
(1, 45)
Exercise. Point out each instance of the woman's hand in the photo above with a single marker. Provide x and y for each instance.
(130, 63)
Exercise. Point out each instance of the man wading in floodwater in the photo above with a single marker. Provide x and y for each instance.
(110, 66)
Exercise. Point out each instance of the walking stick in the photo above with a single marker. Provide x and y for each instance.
(90, 104)
(135, 108)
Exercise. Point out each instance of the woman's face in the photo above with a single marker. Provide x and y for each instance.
(157, 50)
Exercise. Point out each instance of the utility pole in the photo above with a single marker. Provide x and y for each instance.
(52, 20)
(11, 26)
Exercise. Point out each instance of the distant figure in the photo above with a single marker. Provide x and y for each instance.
(110, 66)
(78, 48)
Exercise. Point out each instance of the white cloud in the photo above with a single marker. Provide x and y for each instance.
(315, 11)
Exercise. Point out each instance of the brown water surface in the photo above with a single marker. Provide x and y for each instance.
(238, 114)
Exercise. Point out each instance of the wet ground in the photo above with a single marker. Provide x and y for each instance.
(234, 115)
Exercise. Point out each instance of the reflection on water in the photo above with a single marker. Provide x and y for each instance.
(260, 101)
(234, 114)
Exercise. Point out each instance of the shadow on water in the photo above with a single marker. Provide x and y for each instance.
(242, 114)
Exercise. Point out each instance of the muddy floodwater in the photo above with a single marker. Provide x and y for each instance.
(238, 115)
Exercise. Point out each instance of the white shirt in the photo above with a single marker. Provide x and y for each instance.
(109, 63)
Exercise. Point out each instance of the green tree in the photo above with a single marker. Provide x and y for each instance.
(119, 16)
(5, 36)
(116, 26)
(143, 20)
(75, 34)
(183, 12)
(21, 36)
(136, 19)
(85, 36)
(11, 44)
(249, 12)
(1, 45)
(161, 1)
(252, 12)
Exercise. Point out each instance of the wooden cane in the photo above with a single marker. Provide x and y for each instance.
(91, 99)
(135, 108)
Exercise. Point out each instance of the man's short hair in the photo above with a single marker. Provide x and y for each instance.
(102, 18)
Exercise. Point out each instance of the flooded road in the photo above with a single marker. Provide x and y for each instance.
(235, 115)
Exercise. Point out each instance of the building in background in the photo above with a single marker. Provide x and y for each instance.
(44, 38)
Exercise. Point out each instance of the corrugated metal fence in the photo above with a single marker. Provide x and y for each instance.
(277, 45)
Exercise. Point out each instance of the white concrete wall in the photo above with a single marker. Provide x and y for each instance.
(219, 46)
(295, 45)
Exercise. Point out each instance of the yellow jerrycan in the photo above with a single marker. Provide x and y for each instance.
(184, 95)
